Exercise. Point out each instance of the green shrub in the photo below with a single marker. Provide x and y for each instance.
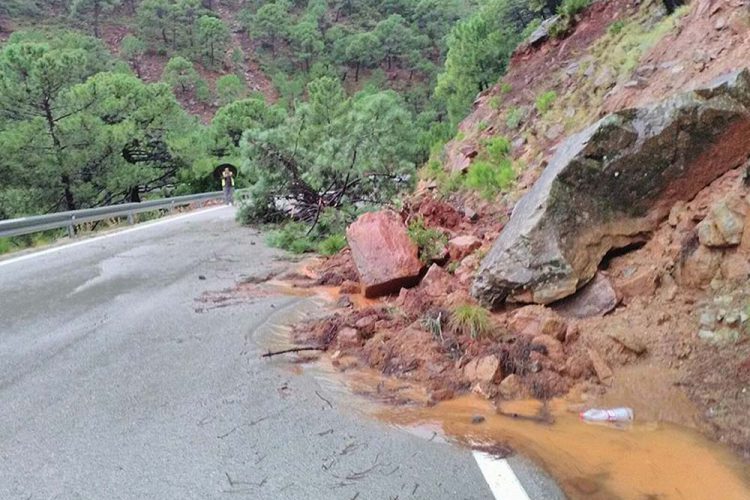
(495, 102)
(430, 242)
(569, 8)
(544, 101)
(5, 245)
(488, 178)
(616, 27)
(514, 118)
(505, 87)
(292, 237)
(497, 147)
(470, 320)
(447, 182)
(482, 126)
(332, 245)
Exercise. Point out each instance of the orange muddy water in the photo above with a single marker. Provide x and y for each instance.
(593, 461)
(648, 459)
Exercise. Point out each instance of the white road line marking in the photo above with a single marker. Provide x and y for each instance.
(500, 477)
(137, 227)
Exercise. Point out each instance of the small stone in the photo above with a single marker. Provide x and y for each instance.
(366, 322)
(470, 213)
(735, 268)
(720, 24)
(724, 224)
(641, 283)
(732, 318)
(344, 302)
(706, 334)
(628, 339)
(461, 246)
(477, 419)
(726, 336)
(571, 334)
(484, 369)
(201, 277)
(348, 337)
(700, 267)
(603, 371)
(485, 390)
(597, 298)
(511, 387)
(554, 131)
(708, 319)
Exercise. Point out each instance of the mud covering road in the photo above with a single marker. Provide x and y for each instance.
(116, 383)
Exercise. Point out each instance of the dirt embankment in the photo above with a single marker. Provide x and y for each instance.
(671, 337)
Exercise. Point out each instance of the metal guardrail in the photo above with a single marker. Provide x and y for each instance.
(33, 224)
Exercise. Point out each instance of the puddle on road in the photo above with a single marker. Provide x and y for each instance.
(644, 460)
(593, 461)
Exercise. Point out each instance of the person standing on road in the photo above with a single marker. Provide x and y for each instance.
(227, 184)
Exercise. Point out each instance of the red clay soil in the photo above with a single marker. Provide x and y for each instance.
(711, 40)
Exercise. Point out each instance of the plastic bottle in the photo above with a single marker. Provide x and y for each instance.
(607, 415)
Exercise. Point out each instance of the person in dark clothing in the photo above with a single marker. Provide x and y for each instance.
(671, 5)
(227, 184)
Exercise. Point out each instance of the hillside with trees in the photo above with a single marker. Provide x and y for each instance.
(326, 106)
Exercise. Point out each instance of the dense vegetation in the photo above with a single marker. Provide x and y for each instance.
(363, 90)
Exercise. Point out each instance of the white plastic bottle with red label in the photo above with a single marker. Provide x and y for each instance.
(607, 415)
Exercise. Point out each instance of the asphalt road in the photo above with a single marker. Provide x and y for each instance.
(113, 385)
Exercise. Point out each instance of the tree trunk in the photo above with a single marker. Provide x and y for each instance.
(70, 203)
(134, 196)
(356, 73)
(97, 9)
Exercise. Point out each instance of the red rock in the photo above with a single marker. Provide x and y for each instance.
(366, 322)
(484, 369)
(571, 334)
(487, 390)
(467, 269)
(348, 337)
(553, 347)
(461, 246)
(601, 368)
(595, 299)
(724, 224)
(436, 282)
(745, 242)
(700, 267)
(537, 320)
(512, 387)
(736, 267)
(385, 256)
(641, 283)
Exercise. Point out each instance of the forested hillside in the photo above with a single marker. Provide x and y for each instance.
(327, 102)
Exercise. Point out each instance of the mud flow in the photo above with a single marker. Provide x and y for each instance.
(648, 458)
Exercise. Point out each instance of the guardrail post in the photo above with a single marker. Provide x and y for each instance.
(72, 227)
(171, 207)
(131, 220)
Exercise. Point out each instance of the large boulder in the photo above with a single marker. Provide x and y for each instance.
(385, 257)
(610, 186)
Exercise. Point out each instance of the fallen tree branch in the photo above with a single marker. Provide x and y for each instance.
(296, 349)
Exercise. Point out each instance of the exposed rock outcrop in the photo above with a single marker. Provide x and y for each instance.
(385, 256)
(610, 186)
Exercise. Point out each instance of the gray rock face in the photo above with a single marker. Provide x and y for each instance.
(610, 186)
